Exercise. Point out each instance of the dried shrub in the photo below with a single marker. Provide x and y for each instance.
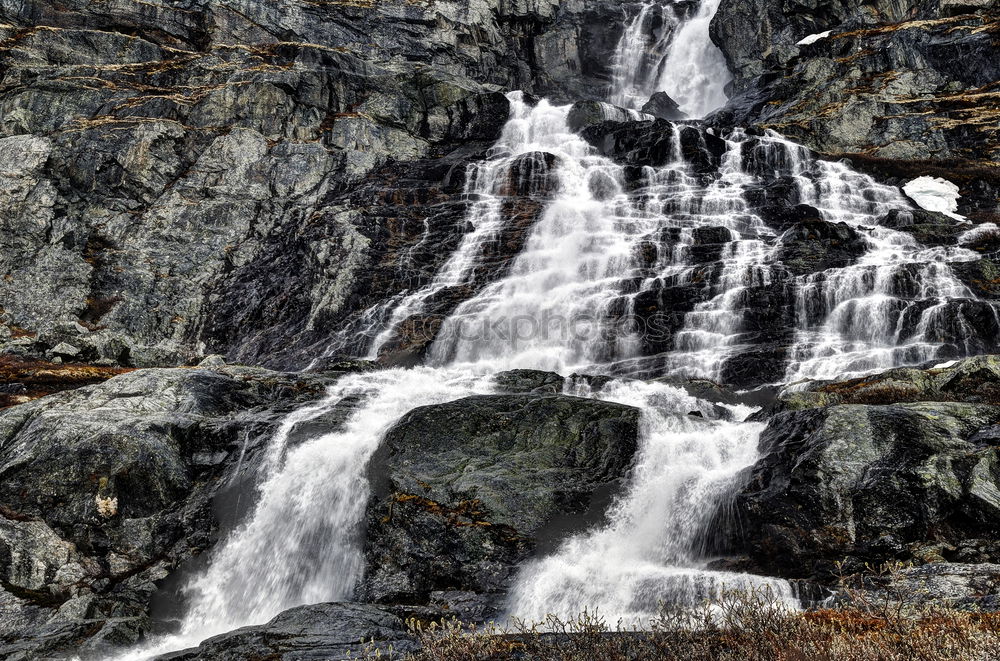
(738, 627)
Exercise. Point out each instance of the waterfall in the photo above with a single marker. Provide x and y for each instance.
(301, 544)
(662, 50)
(608, 239)
(649, 553)
(486, 183)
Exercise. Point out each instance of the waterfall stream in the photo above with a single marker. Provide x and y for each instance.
(568, 303)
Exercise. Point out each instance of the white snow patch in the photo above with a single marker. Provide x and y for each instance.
(946, 365)
(934, 194)
(813, 38)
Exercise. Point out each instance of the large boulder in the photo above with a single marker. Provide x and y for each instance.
(872, 482)
(333, 632)
(465, 490)
(106, 489)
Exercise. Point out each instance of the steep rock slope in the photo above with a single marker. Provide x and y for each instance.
(107, 489)
(904, 89)
(236, 177)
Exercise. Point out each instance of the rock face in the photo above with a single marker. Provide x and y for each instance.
(238, 178)
(106, 489)
(466, 489)
(885, 480)
(333, 632)
(906, 89)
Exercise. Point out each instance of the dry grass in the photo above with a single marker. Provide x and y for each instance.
(739, 627)
(35, 378)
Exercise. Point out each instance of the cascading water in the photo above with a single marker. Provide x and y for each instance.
(301, 544)
(608, 238)
(648, 552)
(662, 50)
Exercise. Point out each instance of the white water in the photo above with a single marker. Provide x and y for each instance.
(486, 184)
(580, 264)
(661, 52)
(300, 545)
(649, 553)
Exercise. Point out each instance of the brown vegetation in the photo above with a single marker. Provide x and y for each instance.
(743, 627)
(24, 380)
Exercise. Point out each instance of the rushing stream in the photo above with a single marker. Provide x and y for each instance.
(573, 284)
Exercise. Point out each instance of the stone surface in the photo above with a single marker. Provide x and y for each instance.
(467, 489)
(241, 178)
(905, 89)
(870, 471)
(333, 632)
(106, 489)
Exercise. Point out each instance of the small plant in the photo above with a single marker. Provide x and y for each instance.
(739, 626)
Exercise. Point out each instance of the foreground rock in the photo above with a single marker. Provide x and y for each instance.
(332, 632)
(466, 490)
(885, 480)
(106, 489)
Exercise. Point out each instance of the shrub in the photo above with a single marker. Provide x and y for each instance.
(738, 627)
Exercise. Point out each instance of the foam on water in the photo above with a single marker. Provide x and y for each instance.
(661, 51)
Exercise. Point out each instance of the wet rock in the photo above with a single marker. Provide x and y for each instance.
(928, 227)
(525, 381)
(875, 481)
(589, 113)
(121, 475)
(662, 106)
(466, 490)
(973, 380)
(335, 631)
(814, 244)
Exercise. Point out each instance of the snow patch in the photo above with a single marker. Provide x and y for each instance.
(934, 194)
(813, 38)
(946, 365)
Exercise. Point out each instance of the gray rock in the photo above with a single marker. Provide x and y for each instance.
(106, 489)
(662, 106)
(332, 632)
(868, 484)
(465, 490)
(65, 350)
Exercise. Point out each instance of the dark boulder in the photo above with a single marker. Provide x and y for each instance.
(662, 106)
(107, 489)
(928, 227)
(523, 381)
(332, 632)
(813, 244)
(877, 481)
(584, 114)
(466, 490)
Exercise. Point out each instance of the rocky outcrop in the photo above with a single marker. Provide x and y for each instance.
(905, 89)
(106, 489)
(333, 632)
(899, 467)
(240, 178)
(466, 490)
